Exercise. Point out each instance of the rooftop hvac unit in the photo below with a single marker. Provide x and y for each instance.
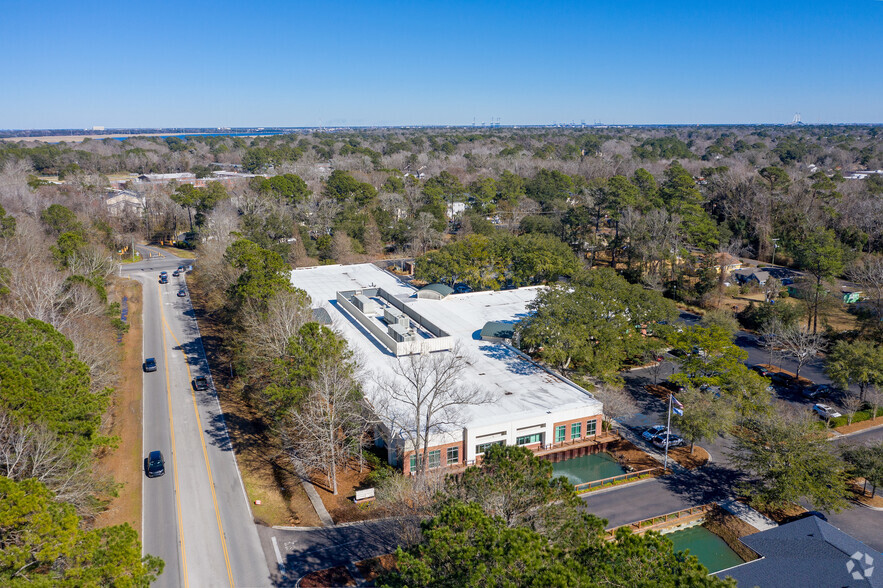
(393, 316)
(365, 304)
(402, 334)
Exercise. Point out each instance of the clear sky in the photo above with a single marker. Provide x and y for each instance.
(285, 63)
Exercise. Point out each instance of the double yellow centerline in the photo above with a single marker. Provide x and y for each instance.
(202, 442)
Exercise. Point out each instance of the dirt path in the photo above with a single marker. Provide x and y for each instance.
(125, 419)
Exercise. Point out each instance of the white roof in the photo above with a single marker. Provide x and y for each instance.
(494, 367)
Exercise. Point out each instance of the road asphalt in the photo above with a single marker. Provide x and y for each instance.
(196, 517)
(714, 482)
(201, 493)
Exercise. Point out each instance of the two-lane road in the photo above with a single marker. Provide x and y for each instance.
(197, 516)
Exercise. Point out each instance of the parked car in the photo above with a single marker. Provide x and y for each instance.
(181, 268)
(676, 388)
(200, 383)
(766, 373)
(156, 465)
(669, 439)
(826, 411)
(462, 289)
(782, 379)
(818, 391)
(164, 279)
(176, 273)
(182, 293)
(654, 431)
(149, 364)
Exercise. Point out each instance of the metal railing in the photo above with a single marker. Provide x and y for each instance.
(664, 518)
(586, 486)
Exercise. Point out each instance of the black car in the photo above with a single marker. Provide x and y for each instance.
(156, 465)
(176, 273)
(164, 279)
(766, 373)
(200, 383)
(818, 391)
(149, 365)
(462, 289)
(182, 293)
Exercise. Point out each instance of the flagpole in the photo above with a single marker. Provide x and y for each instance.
(667, 433)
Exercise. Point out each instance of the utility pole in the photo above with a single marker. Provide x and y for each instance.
(667, 435)
(133, 250)
(775, 246)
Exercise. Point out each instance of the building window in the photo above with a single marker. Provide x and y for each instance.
(453, 455)
(591, 428)
(529, 439)
(413, 462)
(576, 430)
(434, 459)
(479, 449)
(560, 434)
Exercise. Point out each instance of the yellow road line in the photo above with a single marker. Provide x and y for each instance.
(208, 469)
(174, 452)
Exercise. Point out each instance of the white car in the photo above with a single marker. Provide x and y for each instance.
(825, 411)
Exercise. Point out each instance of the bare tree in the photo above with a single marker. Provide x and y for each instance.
(268, 331)
(795, 342)
(851, 404)
(425, 397)
(33, 451)
(318, 435)
(424, 235)
(868, 273)
(874, 396)
(618, 402)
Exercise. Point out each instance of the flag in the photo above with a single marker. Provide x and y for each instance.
(676, 406)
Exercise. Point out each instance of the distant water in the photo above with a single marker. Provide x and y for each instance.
(587, 468)
(186, 135)
(711, 551)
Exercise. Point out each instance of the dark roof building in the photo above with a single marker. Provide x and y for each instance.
(435, 291)
(808, 552)
(750, 273)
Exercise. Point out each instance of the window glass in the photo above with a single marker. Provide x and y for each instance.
(453, 455)
(528, 439)
(576, 430)
(591, 428)
(560, 433)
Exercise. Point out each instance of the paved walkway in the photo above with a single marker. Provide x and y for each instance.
(748, 514)
(317, 503)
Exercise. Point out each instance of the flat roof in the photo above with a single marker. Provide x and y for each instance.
(522, 388)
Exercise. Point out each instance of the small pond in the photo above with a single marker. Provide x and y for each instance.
(711, 551)
(587, 468)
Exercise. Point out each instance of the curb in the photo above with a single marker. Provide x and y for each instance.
(868, 506)
(874, 428)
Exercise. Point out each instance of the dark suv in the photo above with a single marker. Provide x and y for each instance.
(156, 465)
(149, 365)
(200, 383)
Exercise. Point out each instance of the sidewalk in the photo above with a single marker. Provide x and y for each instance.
(748, 514)
(317, 503)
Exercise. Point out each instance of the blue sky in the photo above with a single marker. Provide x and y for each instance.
(283, 63)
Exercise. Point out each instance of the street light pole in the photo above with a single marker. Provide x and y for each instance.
(775, 246)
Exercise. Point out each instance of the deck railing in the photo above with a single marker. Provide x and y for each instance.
(586, 486)
(657, 520)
